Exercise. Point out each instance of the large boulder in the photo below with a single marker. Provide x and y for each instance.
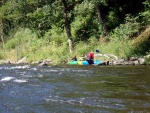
(22, 61)
(136, 62)
(141, 61)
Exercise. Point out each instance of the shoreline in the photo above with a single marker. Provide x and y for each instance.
(47, 62)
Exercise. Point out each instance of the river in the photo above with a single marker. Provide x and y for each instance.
(74, 89)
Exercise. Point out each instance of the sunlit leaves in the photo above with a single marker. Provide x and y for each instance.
(84, 7)
(124, 31)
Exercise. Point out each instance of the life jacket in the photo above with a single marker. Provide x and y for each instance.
(90, 55)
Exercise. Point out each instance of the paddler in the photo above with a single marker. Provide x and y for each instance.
(90, 58)
(74, 58)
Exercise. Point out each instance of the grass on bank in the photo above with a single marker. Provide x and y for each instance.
(54, 46)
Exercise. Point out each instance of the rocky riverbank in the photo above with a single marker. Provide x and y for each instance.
(42, 62)
(130, 61)
(46, 62)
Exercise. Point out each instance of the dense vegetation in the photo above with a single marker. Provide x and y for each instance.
(41, 29)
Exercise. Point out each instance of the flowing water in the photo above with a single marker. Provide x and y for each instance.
(74, 89)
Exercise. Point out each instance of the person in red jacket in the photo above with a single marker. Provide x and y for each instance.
(90, 57)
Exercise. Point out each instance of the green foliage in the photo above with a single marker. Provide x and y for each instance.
(146, 14)
(146, 5)
(142, 43)
(85, 23)
(22, 36)
(49, 40)
(11, 44)
(122, 49)
(84, 8)
(92, 41)
(147, 61)
(124, 31)
(57, 53)
(56, 35)
(147, 57)
(146, 17)
(83, 48)
(79, 27)
(99, 2)
(2, 55)
(40, 20)
(112, 19)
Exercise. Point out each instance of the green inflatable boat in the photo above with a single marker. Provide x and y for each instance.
(96, 62)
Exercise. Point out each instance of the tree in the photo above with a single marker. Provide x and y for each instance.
(99, 3)
(67, 9)
(101, 20)
(1, 31)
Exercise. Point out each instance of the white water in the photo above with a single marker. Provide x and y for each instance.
(74, 89)
(6, 79)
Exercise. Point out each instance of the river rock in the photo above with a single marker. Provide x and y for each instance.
(141, 61)
(118, 62)
(45, 62)
(136, 62)
(133, 59)
(22, 61)
(128, 63)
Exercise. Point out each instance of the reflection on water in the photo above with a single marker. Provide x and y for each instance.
(74, 89)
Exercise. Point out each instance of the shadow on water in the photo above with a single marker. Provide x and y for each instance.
(74, 89)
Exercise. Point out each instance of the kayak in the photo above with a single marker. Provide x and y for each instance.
(96, 62)
(73, 62)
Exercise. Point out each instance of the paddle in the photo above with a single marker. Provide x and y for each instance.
(97, 51)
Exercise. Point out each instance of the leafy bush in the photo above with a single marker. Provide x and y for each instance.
(124, 31)
(146, 14)
(22, 36)
(2, 55)
(55, 34)
(147, 58)
(142, 43)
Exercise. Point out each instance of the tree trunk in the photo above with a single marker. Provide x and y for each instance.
(101, 21)
(2, 40)
(1, 32)
(67, 26)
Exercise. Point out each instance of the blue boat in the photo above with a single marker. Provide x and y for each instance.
(96, 62)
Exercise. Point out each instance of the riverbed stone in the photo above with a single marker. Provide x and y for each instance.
(141, 61)
(45, 62)
(22, 61)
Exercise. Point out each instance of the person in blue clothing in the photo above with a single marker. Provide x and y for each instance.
(74, 58)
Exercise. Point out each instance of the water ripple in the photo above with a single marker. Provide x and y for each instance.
(74, 89)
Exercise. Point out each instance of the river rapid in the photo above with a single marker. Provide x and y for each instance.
(74, 89)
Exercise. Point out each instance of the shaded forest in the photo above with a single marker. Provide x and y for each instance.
(43, 28)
